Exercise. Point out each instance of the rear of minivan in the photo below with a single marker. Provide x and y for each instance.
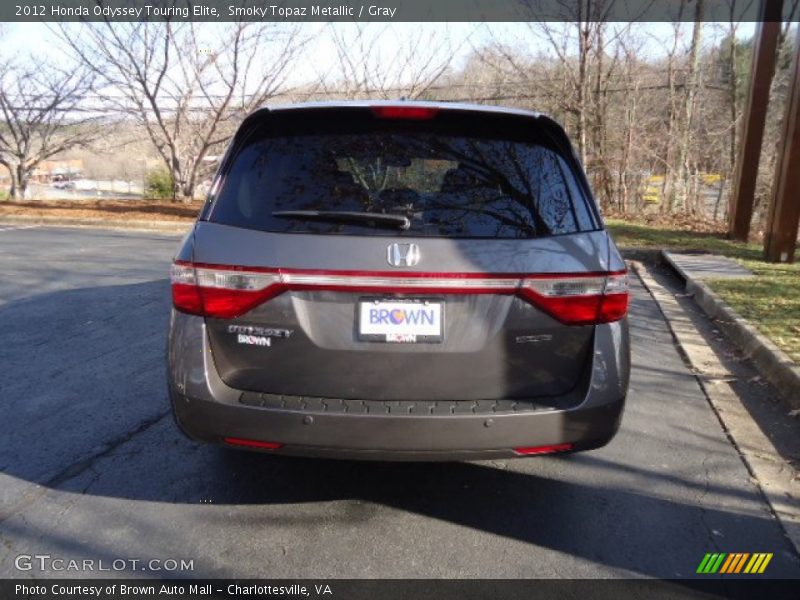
(399, 281)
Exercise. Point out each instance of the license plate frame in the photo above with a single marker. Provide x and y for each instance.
(387, 336)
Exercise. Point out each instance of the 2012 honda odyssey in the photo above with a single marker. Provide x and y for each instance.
(399, 281)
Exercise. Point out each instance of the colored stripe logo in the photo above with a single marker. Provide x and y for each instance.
(734, 563)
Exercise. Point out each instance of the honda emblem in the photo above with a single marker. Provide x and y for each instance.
(403, 255)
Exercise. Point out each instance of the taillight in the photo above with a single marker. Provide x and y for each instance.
(226, 292)
(253, 443)
(580, 300)
(531, 450)
(412, 113)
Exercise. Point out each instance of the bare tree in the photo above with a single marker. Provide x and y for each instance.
(42, 114)
(568, 79)
(576, 79)
(366, 66)
(185, 83)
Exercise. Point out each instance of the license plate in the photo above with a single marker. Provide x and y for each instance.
(401, 321)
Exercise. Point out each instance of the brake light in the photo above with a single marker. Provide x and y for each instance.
(412, 113)
(226, 292)
(253, 443)
(544, 449)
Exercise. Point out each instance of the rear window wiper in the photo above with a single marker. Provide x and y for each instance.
(344, 216)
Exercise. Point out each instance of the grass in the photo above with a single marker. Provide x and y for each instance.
(638, 235)
(770, 301)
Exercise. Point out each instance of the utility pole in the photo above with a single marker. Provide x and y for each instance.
(754, 117)
(784, 211)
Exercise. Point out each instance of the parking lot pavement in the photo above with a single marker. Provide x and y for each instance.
(94, 468)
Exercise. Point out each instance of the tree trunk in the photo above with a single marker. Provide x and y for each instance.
(734, 93)
(734, 108)
(682, 162)
(13, 190)
(630, 120)
(196, 169)
(669, 155)
(667, 190)
(176, 173)
(600, 124)
(19, 181)
(723, 184)
(583, 57)
(187, 189)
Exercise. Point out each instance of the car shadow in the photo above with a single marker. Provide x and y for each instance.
(631, 532)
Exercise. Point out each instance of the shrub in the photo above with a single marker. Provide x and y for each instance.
(159, 184)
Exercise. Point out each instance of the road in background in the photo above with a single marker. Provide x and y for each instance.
(93, 466)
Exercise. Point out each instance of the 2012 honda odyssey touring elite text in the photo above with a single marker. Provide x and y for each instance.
(399, 281)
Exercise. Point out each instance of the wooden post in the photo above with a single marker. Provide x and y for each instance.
(754, 117)
(784, 210)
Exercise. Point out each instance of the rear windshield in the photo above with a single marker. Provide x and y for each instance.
(446, 185)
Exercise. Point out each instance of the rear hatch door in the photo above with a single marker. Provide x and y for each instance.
(401, 258)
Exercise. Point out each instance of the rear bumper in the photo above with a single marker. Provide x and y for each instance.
(208, 410)
(398, 438)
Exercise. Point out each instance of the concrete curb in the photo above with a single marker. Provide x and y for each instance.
(772, 362)
(156, 226)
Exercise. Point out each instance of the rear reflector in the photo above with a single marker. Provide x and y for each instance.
(544, 449)
(412, 113)
(226, 292)
(253, 443)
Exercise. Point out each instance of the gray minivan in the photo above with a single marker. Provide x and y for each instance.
(406, 280)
